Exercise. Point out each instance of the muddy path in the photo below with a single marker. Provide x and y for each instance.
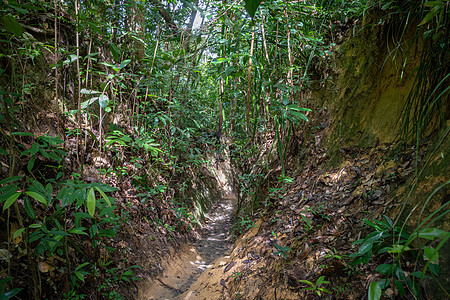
(184, 268)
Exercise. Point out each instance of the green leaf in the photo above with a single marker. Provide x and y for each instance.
(365, 248)
(12, 26)
(78, 230)
(103, 100)
(115, 51)
(10, 179)
(103, 195)
(79, 275)
(399, 248)
(29, 209)
(251, 6)
(299, 115)
(434, 3)
(14, 4)
(10, 200)
(89, 92)
(373, 237)
(388, 221)
(107, 232)
(372, 224)
(52, 140)
(22, 133)
(125, 63)
(30, 164)
(37, 197)
(383, 268)
(432, 233)
(88, 102)
(18, 232)
(32, 150)
(321, 280)
(434, 268)
(81, 266)
(374, 291)
(306, 282)
(431, 254)
(437, 6)
(11, 293)
(90, 202)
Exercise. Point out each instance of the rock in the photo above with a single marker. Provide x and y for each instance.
(376, 194)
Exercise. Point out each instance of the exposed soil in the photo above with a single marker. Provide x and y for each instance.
(182, 270)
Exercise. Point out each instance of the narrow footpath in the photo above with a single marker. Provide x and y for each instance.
(193, 260)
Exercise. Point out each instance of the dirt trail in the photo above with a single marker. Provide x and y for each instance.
(185, 268)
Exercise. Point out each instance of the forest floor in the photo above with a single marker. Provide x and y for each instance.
(193, 259)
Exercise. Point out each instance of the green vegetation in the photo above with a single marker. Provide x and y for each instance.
(112, 110)
(408, 257)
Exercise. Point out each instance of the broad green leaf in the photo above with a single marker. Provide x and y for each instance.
(88, 102)
(374, 291)
(18, 232)
(89, 92)
(373, 237)
(384, 250)
(321, 280)
(434, 268)
(103, 195)
(251, 6)
(431, 254)
(103, 100)
(229, 70)
(71, 58)
(11, 293)
(17, 7)
(32, 150)
(432, 233)
(52, 140)
(115, 51)
(306, 282)
(10, 200)
(10, 179)
(383, 268)
(78, 230)
(37, 197)
(29, 209)
(90, 202)
(299, 115)
(34, 226)
(81, 266)
(59, 233)
(22, 133)
(434, 11)
(365, 248)
(371, 224)
(30, 164)
(434, 3)
(125, 63)
(399, 248)
(107, 232)
(12, 26)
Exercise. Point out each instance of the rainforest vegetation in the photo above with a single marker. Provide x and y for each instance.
(130, 129)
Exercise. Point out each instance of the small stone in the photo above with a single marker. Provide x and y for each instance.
(377, 193)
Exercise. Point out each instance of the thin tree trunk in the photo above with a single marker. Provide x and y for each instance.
(249, 80)
(80, 156)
